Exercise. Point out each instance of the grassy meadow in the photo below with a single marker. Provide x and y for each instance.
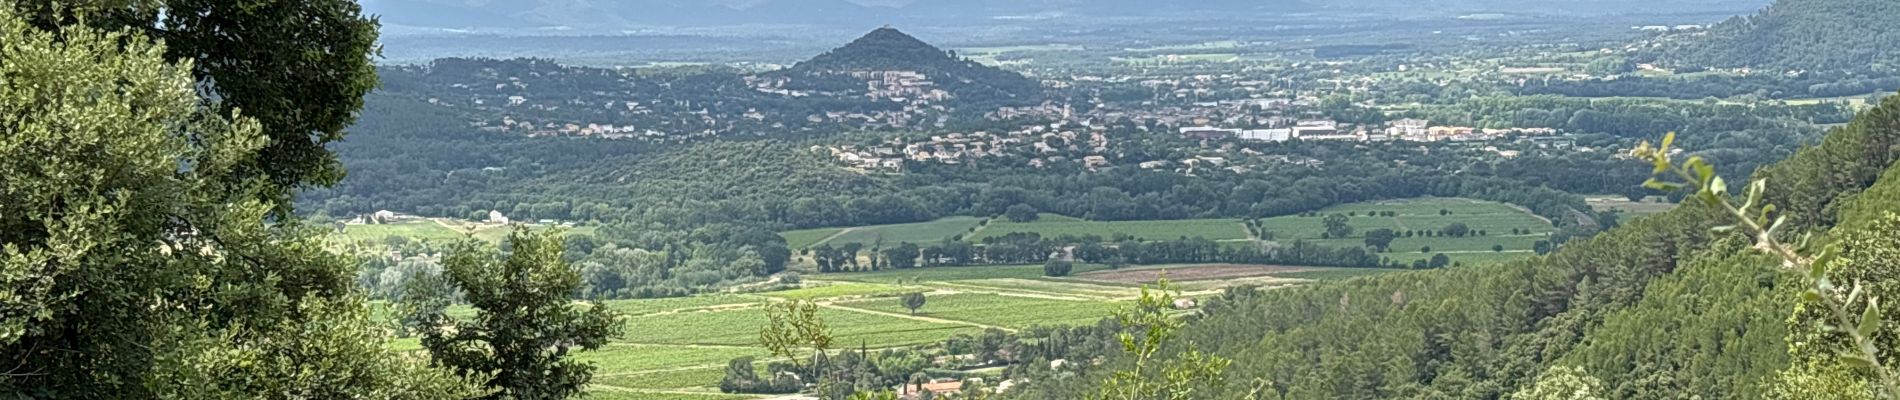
(1212, 229)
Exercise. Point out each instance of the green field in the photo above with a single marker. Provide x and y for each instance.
(680, 304)
(435, 230)
(643, 357)
(806, 238)
(741, 328)
(1491, 224)
(997, 310)
(1212, 229)
(843, 289)
(952, 273)
(677, 348)
(414, 230)
(920, 233)
(1652, 205)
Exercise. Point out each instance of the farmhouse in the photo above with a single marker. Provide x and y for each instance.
(935, 388)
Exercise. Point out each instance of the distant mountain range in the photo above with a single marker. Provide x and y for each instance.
(1825, 35)
(634, 14)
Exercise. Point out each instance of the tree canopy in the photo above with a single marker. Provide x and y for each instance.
(137, 261)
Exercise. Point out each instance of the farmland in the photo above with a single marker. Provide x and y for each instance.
(1492, 225)
(414, 230)
(800, 239)
(433, 230)
(677, 348)
(998, 310)
(1212, 229)
(1622, 204)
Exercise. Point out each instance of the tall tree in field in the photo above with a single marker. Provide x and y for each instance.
(1380, 239)
(526, 324)
(299, 67)
(914, 301)
(1336, 226)
(137, 263)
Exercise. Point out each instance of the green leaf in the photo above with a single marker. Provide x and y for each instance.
(1819, 268)
(1755, 191)
(1662, 186)
(1718, 186)
(1870, 319)
(1855, 360)
(1811, 296)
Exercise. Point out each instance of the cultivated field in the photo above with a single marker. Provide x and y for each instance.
(806, 238)
(921, 233)
(434, 230)
(1212, 229)
(421, 230)
(1014, 312)
(1652, 205)
(1188, 273)
(678, 348)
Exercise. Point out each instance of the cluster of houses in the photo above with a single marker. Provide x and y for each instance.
(1042, 143)
(1414, 130)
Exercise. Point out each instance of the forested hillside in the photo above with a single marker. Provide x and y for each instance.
(1800, 35)
(1654, 309)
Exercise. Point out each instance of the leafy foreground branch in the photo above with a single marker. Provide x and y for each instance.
(1753, 217)
(1149, 328)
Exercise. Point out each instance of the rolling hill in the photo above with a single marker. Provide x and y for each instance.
(1813, 35)
(887, 49)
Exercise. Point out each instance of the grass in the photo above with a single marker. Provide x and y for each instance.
(1496, 220)
(1623, 204)
(1212, 229)
(954, 273)
(1335, 274)
(1045, 286)
(835, 290)
(1443, 244)
(612, 394)
(921, 233)
(653, 306)
(741, 328)
(437, 230)
(1473, 258)
(679, 379)
(997, 310)
(806, 238)
(413, 230)
(622, 357)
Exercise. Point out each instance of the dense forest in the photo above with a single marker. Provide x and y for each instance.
(1796, 35)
